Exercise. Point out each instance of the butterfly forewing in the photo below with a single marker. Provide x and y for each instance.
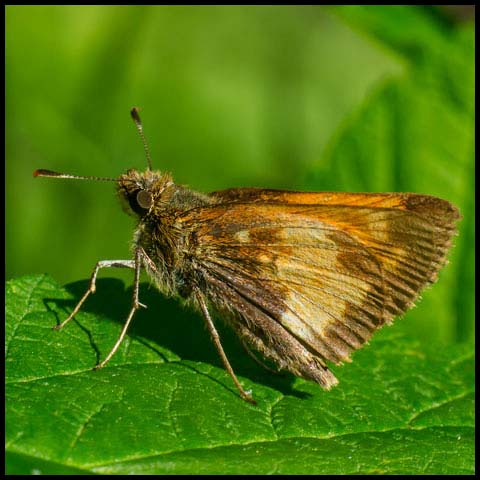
(310, 276)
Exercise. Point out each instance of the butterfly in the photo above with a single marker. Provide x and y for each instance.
(303, 278)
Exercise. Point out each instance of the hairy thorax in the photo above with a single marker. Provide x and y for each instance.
(159, 206)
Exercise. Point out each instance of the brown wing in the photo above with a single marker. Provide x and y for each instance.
(310, 276)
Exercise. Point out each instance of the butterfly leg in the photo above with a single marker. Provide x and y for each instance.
(133, 264)
(246, 395)
(92, 288)
(137, 265)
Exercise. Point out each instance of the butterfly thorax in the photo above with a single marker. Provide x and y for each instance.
(158, 204)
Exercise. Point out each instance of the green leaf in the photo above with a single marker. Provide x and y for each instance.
(165, 405)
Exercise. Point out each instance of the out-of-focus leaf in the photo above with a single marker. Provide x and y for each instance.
(415, 133)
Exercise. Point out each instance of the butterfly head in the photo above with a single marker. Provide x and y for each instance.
(140, 192)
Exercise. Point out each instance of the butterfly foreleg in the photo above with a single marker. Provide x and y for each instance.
(136, 264)
(92, 287)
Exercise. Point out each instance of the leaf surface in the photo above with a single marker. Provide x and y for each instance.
(165, 405)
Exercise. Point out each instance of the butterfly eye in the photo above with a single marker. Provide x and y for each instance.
(144, 199)
(140, 201)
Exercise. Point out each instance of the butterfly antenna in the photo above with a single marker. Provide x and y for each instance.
(136, 118)
(49, 173)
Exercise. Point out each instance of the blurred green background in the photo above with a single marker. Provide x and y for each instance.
(346, 98)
